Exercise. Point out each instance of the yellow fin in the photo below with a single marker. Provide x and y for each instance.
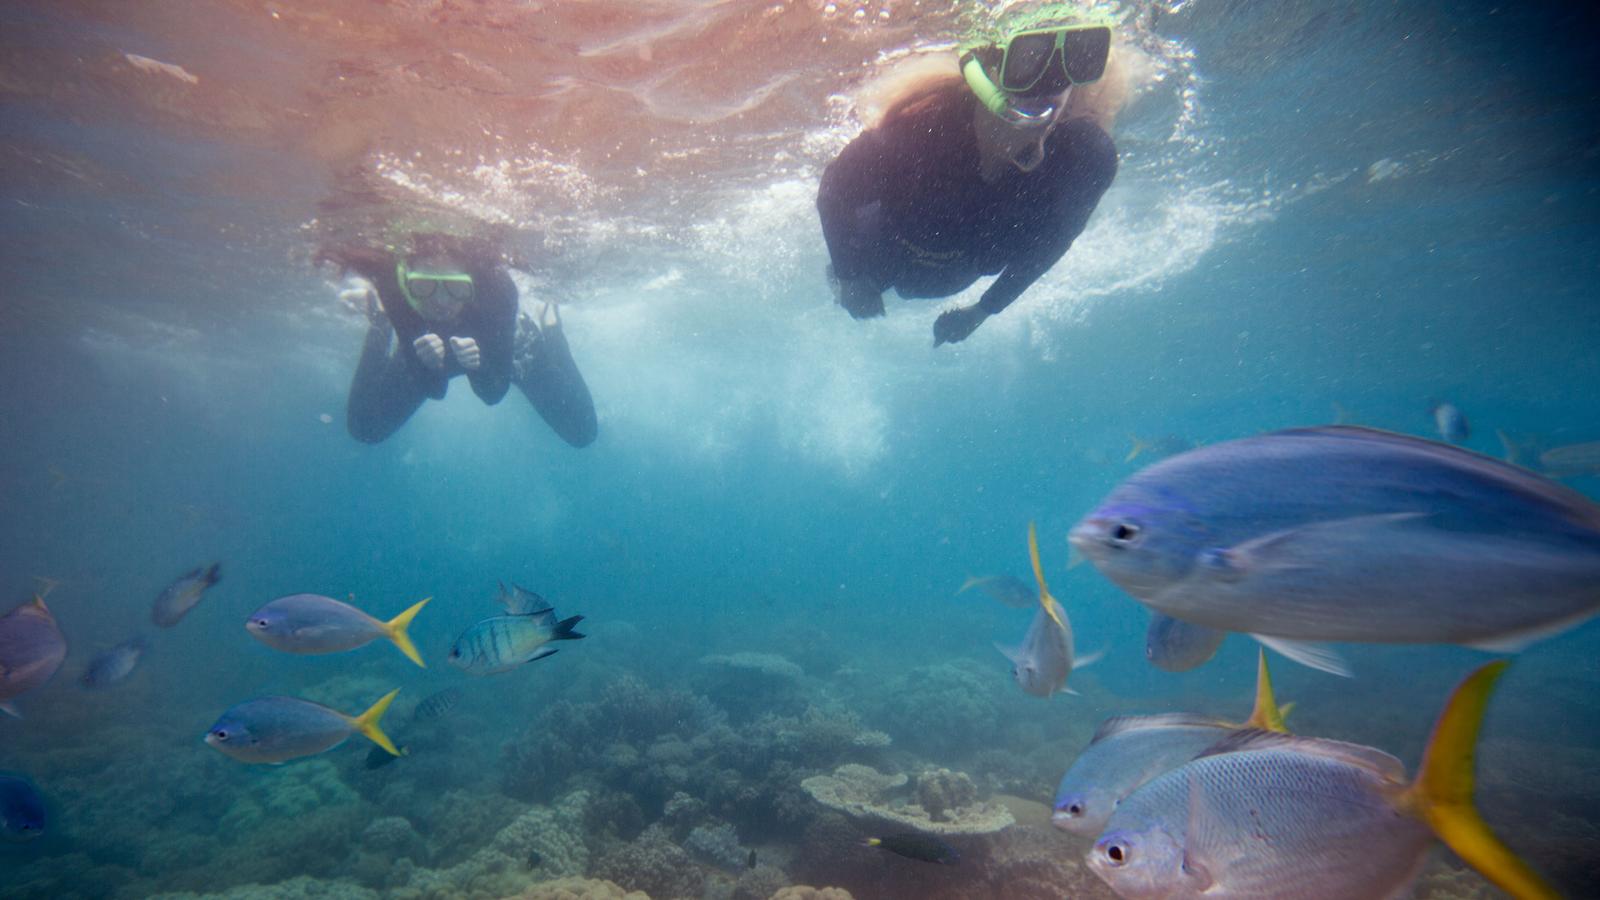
(1045, 600)
(1442, 792)
(1137, 448)
(395, 628)
(1266, 715)
(367, 723)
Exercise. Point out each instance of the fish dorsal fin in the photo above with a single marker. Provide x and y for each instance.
(519, 601)
(1266, 715)
(1373, 760)
(1123, 724)
(1570, 505)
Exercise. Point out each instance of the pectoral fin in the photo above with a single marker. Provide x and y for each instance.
(1294, 548)
(1306, 653)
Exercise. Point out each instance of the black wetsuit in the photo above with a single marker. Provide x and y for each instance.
(904, 206)
(391, 381)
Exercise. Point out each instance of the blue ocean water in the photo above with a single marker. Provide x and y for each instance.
(1324, 210)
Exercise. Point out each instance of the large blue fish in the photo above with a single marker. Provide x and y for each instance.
(22, 816)
(1128, 751)
(314, 624)
(502, 643)
(31, 650)
(1266, 815)
(1173, 645)
(1350, 534)
(1043, 661)
(278, 729)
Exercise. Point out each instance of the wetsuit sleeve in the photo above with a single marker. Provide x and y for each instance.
(850, 203)
(495, 332)
(1091, 166)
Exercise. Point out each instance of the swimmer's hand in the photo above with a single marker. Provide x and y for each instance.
(953, 325)
(361, 296)
(430, 350)
(466, 353)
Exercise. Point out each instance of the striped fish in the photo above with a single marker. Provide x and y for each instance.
(502, 643)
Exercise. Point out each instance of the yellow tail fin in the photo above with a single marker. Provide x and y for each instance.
(1137, 448)
(1045, 600)
(1266, 715)
(367, 723)
(1442, 792)
(395, 628)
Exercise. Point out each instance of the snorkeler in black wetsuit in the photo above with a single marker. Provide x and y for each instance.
(453, 314)
(962, 180)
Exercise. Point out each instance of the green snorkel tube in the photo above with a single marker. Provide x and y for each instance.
(987, 92)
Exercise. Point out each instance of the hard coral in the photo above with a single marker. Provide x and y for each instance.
(866, 794)
(579, 889)
(654, 864)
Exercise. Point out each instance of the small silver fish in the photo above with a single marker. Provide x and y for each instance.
(1044, 660)
(313, 624)
(181, 596)
(1571, 460)
(115, 665)
(1261, 811)
(1007, 589)
(278, 729)
(1451, 423)
(502, 643)
(1173, 645)
(437, 704)
(31, 650)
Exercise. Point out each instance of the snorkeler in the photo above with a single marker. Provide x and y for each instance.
(992, 171)
(454, 309)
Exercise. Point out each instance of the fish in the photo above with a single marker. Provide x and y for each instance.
(22, 815)
(314, 624)
(1007, 589)
(437, 704)
(1042, 662)
(182, 595)
(113, 666)
(1173, 645)
(1343, 533)
(432, 707)
(1450, 422)
(277, 729)
(1571, 460)
(31, 650)
(502, 643)
(1520, 451)
(1158, 448)
(1262, 810)
(921, 847)
(1127, 751)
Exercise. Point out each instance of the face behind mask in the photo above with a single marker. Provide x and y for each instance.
(1016, 140)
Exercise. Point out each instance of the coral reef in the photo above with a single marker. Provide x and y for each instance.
(717, 845)
(654, 864)
(802, 892)
(579, 889)
(864, 793)
(941, 791)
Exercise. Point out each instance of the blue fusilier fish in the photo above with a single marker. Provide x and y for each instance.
(1262, 811)
(113, 666)
(22, 816)
(1128, 751)
(1044, 660)
(313, 624)
(1451, 422)
(1351, 534)
(1007, 589)
(181, 596)
(502, 643)
(278, 729)
(1173, 645)
(31, 650)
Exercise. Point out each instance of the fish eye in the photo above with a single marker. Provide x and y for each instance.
(1125, 534)
(260, 623)
(1075, 809)
(220, 734)
(1117, 855)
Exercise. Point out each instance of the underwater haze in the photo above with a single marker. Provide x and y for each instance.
(1325, 211)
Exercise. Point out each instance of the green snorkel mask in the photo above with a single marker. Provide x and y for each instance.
(1037, 66)
(422, 288)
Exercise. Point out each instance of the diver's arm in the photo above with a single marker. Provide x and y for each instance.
(495, 333)
(850, 203)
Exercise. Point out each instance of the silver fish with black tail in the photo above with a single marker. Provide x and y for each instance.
(182, 595)
(502, 643)
(113, 666)
(1351, 534)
